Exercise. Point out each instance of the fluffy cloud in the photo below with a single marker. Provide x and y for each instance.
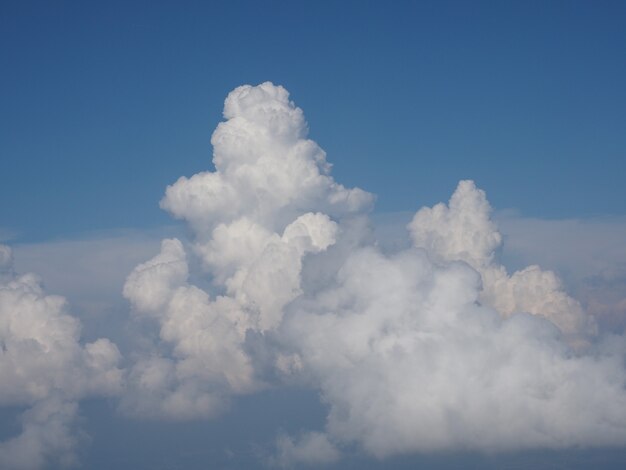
(266, 169)
(427, 348)
(44, 367)
(408, 360)
(413, 349)
(464, 231)
(253, 225)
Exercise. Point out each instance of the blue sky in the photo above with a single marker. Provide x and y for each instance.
(105, 104)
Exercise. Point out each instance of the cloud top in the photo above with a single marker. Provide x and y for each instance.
(266, 168)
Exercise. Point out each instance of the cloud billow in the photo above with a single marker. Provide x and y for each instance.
(431, 348)
(282, 283)
(45, 369)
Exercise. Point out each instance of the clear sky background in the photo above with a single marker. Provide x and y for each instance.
(103, 104)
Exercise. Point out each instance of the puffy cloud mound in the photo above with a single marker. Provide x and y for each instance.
(435, 347)
(463, 231)
(266, 169)
(255, 219)
(409, 360)
(44, 367)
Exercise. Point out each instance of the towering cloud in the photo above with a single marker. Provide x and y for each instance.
(46, 369)
(267, 171)
(254, 220)
(435, 347)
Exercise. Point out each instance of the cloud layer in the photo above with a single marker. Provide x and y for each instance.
(282, 283)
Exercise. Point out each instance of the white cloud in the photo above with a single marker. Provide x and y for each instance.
(253, 227)
(44, 366)
(408, 361)
(266, 169)
(427, 348)
(464, 231)
(414, 346)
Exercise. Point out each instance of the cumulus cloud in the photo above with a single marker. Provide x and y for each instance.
(414, 346)
(267, 171)
(254, 221)
(408, 360)
(431, 347)
(463, 230)
(45, 368)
